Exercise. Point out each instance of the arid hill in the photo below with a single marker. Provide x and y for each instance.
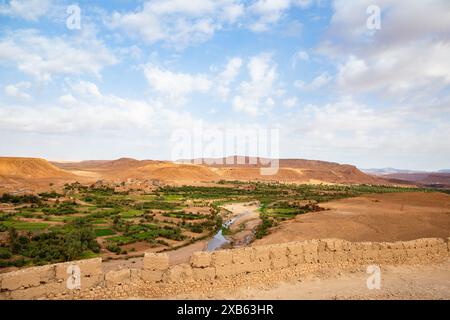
(30, 168)
(422, 178)
(290, 170)
(111, 167)
(184, 171)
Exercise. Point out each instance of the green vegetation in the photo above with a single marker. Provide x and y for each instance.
(27, 226)
(103, 232)
(263, 228)
(61, 226)
(27, 198)
(65, 244)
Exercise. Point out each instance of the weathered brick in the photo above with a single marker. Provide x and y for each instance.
(225, 270)
(261, 253)
(279, 263)
(88, 267)
(156, 261)
(181, 272)
(310, 246)
(294, 260)
(29, 277)
(295, 249)
(242, 256)
(278, 251)
(92, 281)
(38, 292)
(201, 259)
(325, 256)
(221, 258)
(117, 277)
(208, 273)
(152, 275)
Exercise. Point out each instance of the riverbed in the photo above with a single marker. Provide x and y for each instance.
(242, 223)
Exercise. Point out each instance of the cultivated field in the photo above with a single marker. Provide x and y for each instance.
(84, 221)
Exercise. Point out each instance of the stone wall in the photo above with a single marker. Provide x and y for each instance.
(39, 282)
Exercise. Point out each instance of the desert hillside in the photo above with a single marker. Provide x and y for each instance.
(30, 168)
(422, 178)
(290, 170)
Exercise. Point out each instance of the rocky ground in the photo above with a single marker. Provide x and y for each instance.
(418, 281)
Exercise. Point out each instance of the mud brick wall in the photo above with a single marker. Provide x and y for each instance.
(39, 282)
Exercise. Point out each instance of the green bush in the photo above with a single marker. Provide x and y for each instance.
(113, 248)
(196, 229)
(103, 232)
(26, 198)
(5, 253)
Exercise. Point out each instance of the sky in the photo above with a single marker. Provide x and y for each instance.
(359, 82)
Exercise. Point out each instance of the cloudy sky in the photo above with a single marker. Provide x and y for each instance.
(124, 77)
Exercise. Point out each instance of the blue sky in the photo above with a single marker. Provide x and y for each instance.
(133, 73)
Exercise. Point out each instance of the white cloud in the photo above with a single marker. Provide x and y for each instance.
(182, 23)
(290, 102)
(15, 90)
(398, 22)
(175, 85)
(403, 60)
(43, 57)
(351, 130)
(254, 95)
(227, 76)
(269, 12)
(27, 9)
(398, 71)
(86, 89)
(67, 99)
(178, 22)
(78, 112)
(231, 70)
(317, 83)
(300, 55)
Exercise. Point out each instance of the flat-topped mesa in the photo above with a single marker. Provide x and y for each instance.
(191, 171)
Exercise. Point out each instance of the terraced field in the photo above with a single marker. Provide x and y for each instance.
(96, 220)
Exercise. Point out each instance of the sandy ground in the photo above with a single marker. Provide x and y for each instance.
(244, 212)
(245, 224)
(397, 282)
(374, 217)
(183, 254)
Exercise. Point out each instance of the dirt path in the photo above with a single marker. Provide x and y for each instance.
(397, 282)
(183, 254)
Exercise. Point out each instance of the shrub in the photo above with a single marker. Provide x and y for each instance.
(113, 248)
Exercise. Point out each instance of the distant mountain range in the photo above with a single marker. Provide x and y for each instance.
(384, 171)
(207, 170)
(440, 178)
